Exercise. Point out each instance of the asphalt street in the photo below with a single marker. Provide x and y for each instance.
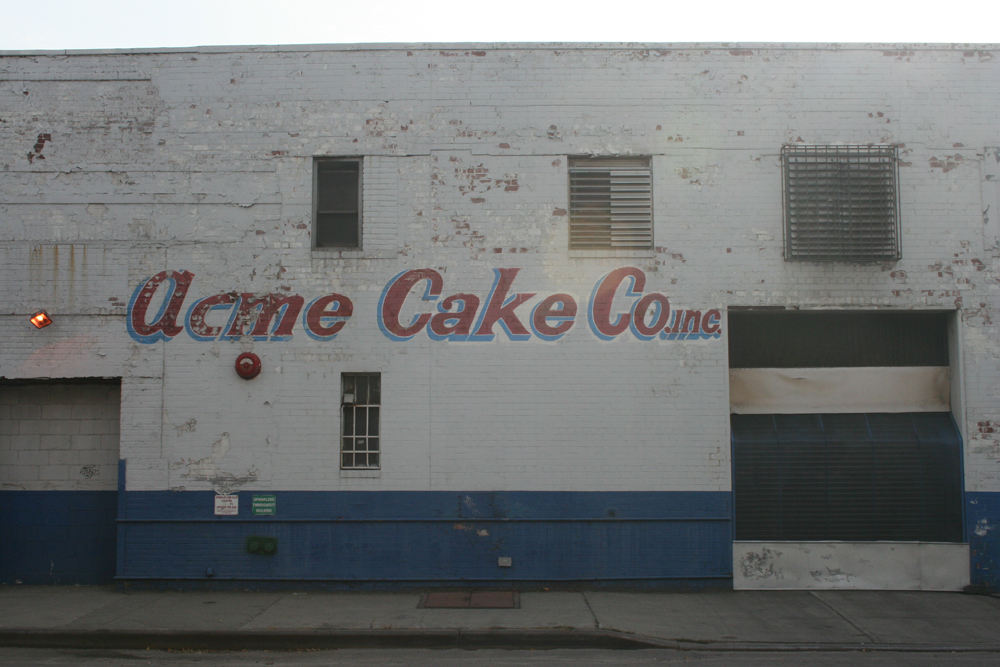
(486, 658)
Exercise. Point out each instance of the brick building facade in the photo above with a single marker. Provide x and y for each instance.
(513, 307)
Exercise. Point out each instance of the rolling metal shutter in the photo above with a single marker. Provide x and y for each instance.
(841, 203)
(847, 477)
(611, 203)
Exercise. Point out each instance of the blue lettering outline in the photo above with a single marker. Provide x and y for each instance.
(593, 295)
(560, 319)
(187, 319)
(381, 300)
(631, 324)
(458, 338)
(159, 335)
(334, 318)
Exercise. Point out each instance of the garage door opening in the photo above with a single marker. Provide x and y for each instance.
(847, 462)
(59, 449)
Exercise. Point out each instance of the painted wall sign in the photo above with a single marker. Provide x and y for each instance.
(618, 305)
(227, 505)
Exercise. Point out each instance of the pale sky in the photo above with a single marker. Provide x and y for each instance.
(105, 24)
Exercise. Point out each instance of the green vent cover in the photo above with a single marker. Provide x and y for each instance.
(266, 546)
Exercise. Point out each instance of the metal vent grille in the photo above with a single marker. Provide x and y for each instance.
(611, 203)
(841, 203)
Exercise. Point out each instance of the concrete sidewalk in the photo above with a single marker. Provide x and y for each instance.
(103, 617)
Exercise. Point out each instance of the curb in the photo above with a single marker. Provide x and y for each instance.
(279, 640)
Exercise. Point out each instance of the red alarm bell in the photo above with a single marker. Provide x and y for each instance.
(248, 365)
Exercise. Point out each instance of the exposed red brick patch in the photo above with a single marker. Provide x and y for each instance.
(947, 163)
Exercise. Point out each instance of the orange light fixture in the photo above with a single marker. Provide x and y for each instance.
(41, 319)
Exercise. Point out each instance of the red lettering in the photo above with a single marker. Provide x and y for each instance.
(691, 322)
(603, 297)
(261, 310)
(336, 307)
(196, 316)
(500, 308)
(461, 320)
(641, 309)
(711, 324)
(394, 296)
(546, 310)
(165, 324)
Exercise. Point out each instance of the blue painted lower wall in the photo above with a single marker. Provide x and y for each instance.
(396, 538)
(378, 538)
(57, 537)
(982, 523)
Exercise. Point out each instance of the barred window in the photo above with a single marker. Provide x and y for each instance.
(337, 203)
(841, 203)
(361, 398)
(611, 203)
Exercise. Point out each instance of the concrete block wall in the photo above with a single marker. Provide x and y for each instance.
(119, 165)
(59, 437)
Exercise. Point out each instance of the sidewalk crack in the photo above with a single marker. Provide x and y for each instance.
(115, 603)
(597, 623)
(262, 610)
(854, 625)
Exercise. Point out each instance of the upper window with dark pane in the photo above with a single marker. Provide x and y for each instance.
(337, 203)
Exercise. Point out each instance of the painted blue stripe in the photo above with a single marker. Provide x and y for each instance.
(982, 527)
(438, 504)
(58, 537)
(370, 537)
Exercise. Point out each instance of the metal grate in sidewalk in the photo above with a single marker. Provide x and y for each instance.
(470, 600)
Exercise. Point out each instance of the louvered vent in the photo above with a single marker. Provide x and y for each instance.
(611, 203)
(841, 203)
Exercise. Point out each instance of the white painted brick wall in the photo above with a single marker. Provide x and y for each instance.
(202, 160)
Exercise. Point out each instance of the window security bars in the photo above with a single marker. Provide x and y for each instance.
(360, 404)
(841, 203)
(611, 203)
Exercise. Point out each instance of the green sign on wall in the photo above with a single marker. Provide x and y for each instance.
(264, 504)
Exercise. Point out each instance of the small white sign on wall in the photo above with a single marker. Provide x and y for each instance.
(227, 505)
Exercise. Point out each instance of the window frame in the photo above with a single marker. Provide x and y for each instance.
(318, 163)
(575, 217)
(353, 437)
(844, 226)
